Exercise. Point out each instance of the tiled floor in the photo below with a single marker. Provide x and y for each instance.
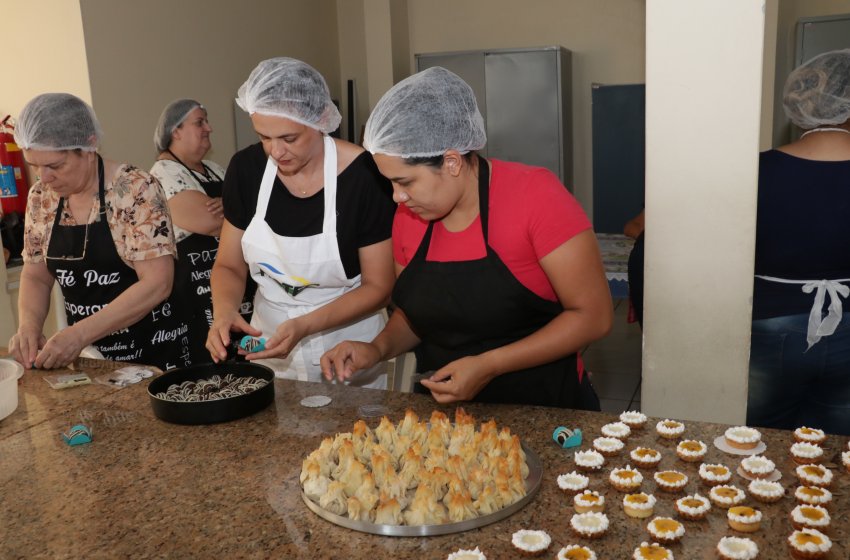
(615, 363)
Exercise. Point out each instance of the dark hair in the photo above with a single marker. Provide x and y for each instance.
(437, 161)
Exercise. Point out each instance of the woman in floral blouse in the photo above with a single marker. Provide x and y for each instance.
(101, 229)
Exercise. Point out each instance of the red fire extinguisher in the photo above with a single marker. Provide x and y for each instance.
(13, 172)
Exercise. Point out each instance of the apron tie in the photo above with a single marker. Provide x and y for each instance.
(819, 326)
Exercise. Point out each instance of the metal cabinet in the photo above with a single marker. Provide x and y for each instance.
(525, 98)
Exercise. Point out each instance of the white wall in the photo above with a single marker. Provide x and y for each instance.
(702, 142)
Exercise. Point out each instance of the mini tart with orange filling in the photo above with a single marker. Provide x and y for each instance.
(633, 419)
(810, 517)
(744, 519)
(590, 525)
(809, 435)
(652, 551)
(691, 450)
(671, 481)
(726, 495)
(639, 505)
(737, 548)
(766, 491)
(814, 475)
(742, 437)
(589, 500)
(665, 530)
(757, 466)
(714, 474)
(809, 544)
(670, 429)
(693, 508)
(645, 457)
(626, 479)
(804, 453)
(813, 495)
(608, 446)
(531, 543)
(576, 552)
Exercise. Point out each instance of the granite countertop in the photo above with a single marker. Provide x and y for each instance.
(148, 489)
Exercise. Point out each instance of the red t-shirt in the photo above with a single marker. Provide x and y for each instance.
(531, 214)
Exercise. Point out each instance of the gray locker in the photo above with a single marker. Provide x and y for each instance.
(818, 35)
(525, 98)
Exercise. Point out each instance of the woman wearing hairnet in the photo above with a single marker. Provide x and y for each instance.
(193, 187)
(101, 229)
(500, 281)
(800, 354)
(309, 218)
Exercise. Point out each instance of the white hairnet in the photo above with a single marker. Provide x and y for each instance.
(57, 121)
(425, 115)
(289, 88)
(818, 91)
(172, 116)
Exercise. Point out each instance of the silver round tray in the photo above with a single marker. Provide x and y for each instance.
(532, 484)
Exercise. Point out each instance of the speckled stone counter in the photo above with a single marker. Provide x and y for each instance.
(147, 489)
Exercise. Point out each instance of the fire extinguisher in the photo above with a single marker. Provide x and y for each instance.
(13, 172)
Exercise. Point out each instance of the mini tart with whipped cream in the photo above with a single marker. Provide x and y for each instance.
(608, 446)
(572, 482)
(589, 500)
(652, 551)
(590, 525)
(766, 491)
(691, 450)
(670, 429)
(625, 479)
(645, 457)
(693, 508)
(809, 544)
(714, 474)
(809, 435)
(845, 460)
(576, 552)
(814, 475)
(639, 505)
(531, 543)
(671, 481)
(665, 529)
(810, 517)
(744, 519)
(742, 437)
(812, 495)
(462, 554)
(804, 453)
(633, 419)
(757, 466)
(616, 430)
(726, 495)
(589, 461)
(737, 548)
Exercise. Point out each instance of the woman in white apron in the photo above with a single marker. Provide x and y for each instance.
(309, 218)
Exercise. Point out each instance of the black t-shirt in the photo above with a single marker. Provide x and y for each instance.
(364, 204)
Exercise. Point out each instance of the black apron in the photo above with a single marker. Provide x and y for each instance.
(195, 258)
(466, 308)
(85, 262)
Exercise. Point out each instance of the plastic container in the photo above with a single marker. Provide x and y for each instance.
(10, 372)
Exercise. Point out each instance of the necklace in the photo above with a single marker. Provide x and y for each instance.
(828, 129)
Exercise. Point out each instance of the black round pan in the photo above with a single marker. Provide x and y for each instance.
(210, 412)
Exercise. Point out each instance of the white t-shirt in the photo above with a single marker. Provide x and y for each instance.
(175, 178)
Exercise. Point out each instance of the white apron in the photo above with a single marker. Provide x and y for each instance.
(296, 275)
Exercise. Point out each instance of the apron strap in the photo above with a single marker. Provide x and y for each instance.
(329, 224)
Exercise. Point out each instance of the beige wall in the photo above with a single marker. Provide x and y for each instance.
(607, 39)
(141, 55)
(42, 54)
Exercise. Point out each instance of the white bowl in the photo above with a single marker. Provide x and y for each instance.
(10, 372)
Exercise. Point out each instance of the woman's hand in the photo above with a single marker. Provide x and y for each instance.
(25, 344)
(459, 380)
(280, 344)
(346, 358)
(218, 338)
(61, 349)
(215, 207)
